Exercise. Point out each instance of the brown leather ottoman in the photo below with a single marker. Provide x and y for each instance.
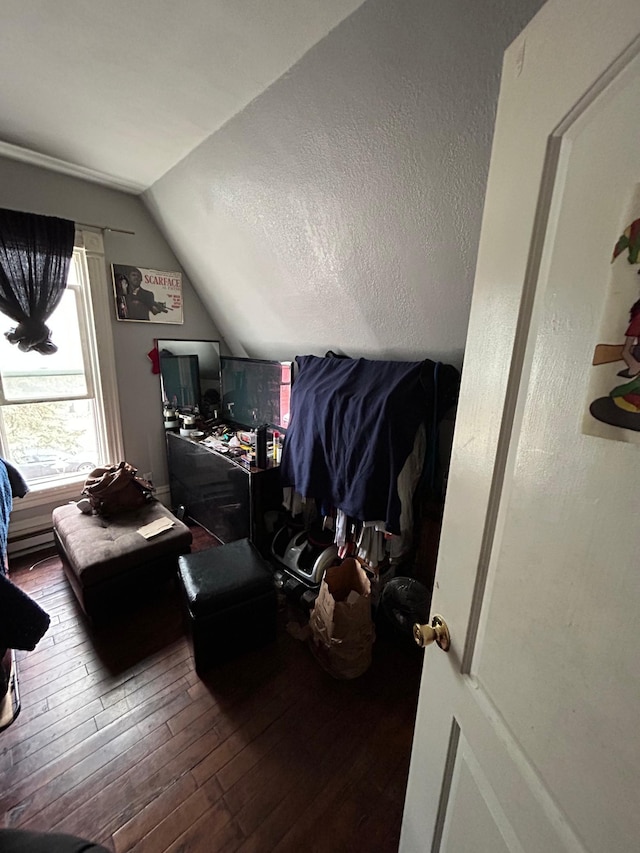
(108, 563)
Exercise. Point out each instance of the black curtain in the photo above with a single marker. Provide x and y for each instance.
(35, 253)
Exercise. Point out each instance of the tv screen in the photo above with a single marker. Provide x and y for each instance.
(255, 391)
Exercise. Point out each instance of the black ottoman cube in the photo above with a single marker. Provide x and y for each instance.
(231, 601)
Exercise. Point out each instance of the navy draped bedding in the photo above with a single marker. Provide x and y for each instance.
(353, 425)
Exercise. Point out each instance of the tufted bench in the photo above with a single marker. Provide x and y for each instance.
(107, 562)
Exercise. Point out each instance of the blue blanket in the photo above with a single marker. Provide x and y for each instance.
(12, 484)
(6, 504)
(353, 425)
(22, 621)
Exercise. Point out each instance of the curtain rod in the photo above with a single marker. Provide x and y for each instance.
(99, 227)
(105, 228)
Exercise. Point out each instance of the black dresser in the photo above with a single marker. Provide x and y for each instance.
(221, 494)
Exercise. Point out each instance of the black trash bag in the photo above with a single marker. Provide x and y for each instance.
(403, 602)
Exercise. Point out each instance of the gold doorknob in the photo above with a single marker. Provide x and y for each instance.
(437, 632)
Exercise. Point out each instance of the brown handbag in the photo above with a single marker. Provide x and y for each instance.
(117, 488)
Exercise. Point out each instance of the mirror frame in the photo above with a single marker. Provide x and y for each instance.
(209, 375)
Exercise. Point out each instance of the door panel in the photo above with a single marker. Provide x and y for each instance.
(526, 732)
(566, 509)
(475, 820)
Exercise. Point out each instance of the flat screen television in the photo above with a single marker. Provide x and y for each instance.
(256, 391)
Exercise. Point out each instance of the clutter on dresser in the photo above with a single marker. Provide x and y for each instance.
(170, 417)
(189, 423)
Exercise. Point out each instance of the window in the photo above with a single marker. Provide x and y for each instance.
(58, 413)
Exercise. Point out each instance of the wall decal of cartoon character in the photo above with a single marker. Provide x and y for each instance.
(621, 408)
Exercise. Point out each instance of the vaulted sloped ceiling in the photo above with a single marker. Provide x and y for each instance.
(124, 90)
(341, 209)
(317, 166)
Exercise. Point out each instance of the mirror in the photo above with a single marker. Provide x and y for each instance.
(190, 375)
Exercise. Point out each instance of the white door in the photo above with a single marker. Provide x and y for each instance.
(528, 731)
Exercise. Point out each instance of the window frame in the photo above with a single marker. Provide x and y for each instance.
(100, 349)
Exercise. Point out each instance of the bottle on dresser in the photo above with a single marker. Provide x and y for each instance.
(261, 446)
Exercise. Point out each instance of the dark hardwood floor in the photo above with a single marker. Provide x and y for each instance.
(119, 741)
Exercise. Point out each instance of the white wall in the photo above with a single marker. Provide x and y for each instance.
(341, 209)
(35, 190)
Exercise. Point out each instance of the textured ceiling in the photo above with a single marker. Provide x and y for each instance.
(125, 90)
